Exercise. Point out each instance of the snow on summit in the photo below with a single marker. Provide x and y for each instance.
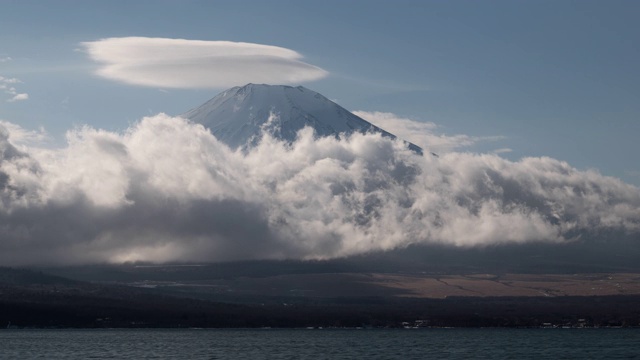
(238, 115)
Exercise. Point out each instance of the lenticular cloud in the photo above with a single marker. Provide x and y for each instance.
(186, 64)
(167, 190)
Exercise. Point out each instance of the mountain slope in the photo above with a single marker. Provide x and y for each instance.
(238, 115)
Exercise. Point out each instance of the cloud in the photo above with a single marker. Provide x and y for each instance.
(502, 151)
(5, 59)
(6, 84)
(420, 133)
(19, 97)
(22, 137)
(180, 63)
(633, 173)
(64, 103)
(167, 190)
(10, 80)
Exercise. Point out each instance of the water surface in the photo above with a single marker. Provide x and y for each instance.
(321, 344)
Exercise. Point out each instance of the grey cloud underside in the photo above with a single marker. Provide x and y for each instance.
(167, 190)
(80, 233)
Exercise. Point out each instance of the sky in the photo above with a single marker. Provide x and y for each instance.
(538, 92)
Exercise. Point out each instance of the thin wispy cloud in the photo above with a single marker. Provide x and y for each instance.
(423, 134)
(64, 103)
(181, 63)
(633, 173)
(502, 151)
(168, 190)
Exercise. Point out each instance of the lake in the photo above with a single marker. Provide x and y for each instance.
(321, 344)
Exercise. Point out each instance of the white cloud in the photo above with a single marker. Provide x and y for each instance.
(420, 133)
(6, 85)
(19, 97)
(180, 63)
(22, 137)
(10, 80)
(167, 190)
(5, 59)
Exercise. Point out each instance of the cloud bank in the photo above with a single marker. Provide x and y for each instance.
(167, 190)
(180, 63)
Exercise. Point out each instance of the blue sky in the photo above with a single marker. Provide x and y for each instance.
(552, 78)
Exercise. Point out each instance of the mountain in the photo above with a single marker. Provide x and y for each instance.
(238, 115)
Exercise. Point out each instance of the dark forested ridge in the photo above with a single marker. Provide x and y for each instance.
(33, 299)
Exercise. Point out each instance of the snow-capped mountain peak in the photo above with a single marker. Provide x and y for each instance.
(238, 116)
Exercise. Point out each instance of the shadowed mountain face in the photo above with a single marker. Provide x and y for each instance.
(239, 115)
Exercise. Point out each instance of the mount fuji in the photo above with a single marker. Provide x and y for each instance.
(239, 115)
